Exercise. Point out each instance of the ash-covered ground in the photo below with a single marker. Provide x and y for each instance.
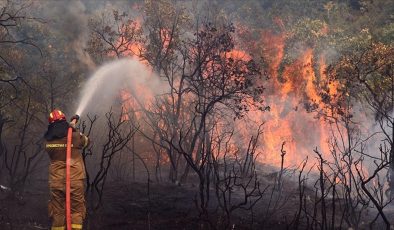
(129, 205)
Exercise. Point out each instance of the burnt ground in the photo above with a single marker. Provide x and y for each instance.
(124, 206)
(128, 206)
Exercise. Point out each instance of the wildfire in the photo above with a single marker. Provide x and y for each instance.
(132, 49)
(291, 87)
(272, 49)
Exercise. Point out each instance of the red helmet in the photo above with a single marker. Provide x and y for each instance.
(56, 115)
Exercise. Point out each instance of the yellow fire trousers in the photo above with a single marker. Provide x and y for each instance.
(57, 206)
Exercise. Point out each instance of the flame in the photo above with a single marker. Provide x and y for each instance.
(238, 55)
(272, 49)
(291, 86)
(130, 49)
(130, 105)
(289, 91)
(332, 85)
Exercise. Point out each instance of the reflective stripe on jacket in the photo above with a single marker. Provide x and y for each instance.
(56, 150)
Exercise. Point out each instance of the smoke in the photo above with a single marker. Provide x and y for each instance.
(77, 12)
(68, 21)
(102, 89)
(302, 131)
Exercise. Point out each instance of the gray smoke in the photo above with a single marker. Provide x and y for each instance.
(68, 20)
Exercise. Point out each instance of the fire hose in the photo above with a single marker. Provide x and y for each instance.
(68, 184)
(68, 167)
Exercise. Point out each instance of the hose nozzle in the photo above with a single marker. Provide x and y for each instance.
(75, 117)
(73, 121)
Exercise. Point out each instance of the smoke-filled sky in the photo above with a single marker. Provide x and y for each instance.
(297, 39)
(69, 20)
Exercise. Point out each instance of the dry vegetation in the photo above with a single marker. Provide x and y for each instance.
(209, 153)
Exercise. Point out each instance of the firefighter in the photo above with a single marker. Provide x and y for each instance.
(56, 145)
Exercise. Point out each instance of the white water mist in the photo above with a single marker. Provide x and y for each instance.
(106, 83)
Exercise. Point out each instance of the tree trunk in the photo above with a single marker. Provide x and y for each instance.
(2, 122)
(391, 180)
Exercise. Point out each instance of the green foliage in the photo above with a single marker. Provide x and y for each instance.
(366, 75)
(385, 34)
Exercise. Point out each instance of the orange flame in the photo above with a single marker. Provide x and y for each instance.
(291, 88)
(292, 85)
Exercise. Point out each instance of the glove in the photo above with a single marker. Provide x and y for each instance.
(73, 121)
(72, 125)
(75, 117)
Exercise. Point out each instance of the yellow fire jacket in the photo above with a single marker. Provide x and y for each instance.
(56, 150)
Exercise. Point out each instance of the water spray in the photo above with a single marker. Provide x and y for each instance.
(106, 83)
